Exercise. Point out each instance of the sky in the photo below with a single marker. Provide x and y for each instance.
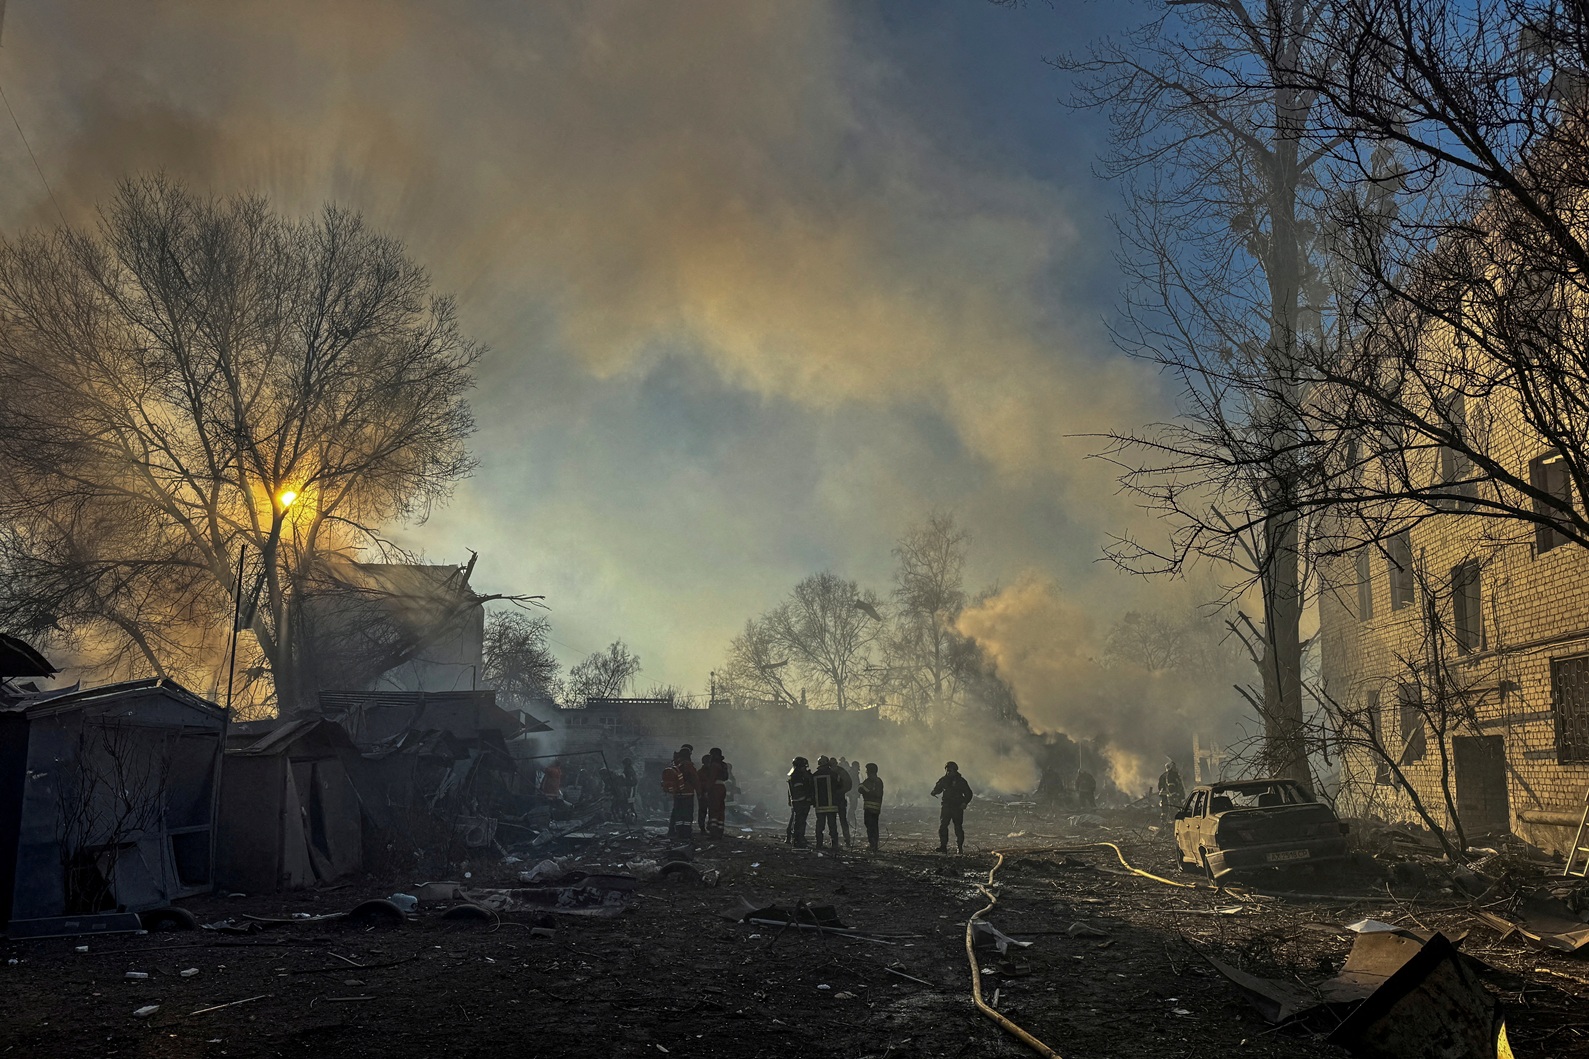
(764, 283)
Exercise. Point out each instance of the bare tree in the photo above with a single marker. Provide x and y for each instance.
(828, 626)
(1216, 145)
(197, 374)
(603, 675)
(925, 657)
(755, 668)
(518, 661)
(1454, 386)
(1190, 643)
(1394, 730)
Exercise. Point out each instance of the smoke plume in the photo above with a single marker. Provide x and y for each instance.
(1050, 648)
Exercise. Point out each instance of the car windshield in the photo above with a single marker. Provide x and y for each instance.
(1257, 796)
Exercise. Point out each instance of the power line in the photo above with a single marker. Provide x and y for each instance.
(36, 168)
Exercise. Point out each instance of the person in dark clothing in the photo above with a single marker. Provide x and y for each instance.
(680, 780)
(871, 789)
(1086, 790)
(843, 784)
(825, 797)
(799, 800)
(714, 794)
(1171, 791)
(957, 795)
(706, 776)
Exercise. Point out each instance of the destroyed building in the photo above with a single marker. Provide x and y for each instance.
(399, 626)
(109, 802)
(291, 810)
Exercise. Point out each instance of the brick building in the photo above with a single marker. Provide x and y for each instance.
(1461, 645)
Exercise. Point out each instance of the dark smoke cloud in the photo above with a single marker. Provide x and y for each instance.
(1051, 647)
(749, 320)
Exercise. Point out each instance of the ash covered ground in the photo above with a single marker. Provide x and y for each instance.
(675, 972)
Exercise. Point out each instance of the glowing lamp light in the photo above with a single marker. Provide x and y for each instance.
(287, 497)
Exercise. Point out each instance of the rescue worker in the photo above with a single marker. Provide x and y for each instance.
(1086, 789)
(706, 776)
(855, 785)
(1171, 791)
(957, 795)
(843, 784)
(679, 780)
(714, 791)
(825, 797)
(871, 789)
(552, 781)
(799, 800)
(630, 782)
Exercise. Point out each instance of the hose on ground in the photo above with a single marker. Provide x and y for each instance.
(976, 965)
(976, 972)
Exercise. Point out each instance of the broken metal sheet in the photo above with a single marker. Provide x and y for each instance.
(1375, 957)
(985, 933)
(1374, 926)
(601, 896)
(1552, 924)
(1276, 1001)
(823, 916)
(1432, 1007)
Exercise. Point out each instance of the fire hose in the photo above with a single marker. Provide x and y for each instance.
(976, 965)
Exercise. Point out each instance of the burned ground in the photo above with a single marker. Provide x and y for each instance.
(674, 974)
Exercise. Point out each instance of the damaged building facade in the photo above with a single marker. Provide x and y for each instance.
(1455, 653)
(108, 802)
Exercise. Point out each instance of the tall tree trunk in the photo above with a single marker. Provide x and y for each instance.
(1282, 577)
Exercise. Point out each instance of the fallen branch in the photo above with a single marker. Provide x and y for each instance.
(233, 1004)
(843, 933)
(909, 977)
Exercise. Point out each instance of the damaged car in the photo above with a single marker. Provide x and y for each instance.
(1249, 824)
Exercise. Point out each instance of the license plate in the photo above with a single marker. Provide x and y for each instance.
(1290, 854)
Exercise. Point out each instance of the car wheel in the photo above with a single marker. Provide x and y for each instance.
(1184, 864)
(167, 919)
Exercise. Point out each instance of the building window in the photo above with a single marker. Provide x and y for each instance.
(1410, 723)
(1382, 773)
(1548, 474)
(1398, 556)
(1456, 469)
(1365, 584)
(1467, 608)
(1569, 701)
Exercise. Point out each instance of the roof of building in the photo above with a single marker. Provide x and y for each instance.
(19, 659)
(46, 702)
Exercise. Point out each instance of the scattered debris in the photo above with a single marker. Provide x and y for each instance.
(985, 933)
(145, 1011)
(1432, 1007)
(377, 913)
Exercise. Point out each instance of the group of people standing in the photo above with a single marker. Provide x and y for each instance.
(700, 792)
(833, 787)
(832, 790)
